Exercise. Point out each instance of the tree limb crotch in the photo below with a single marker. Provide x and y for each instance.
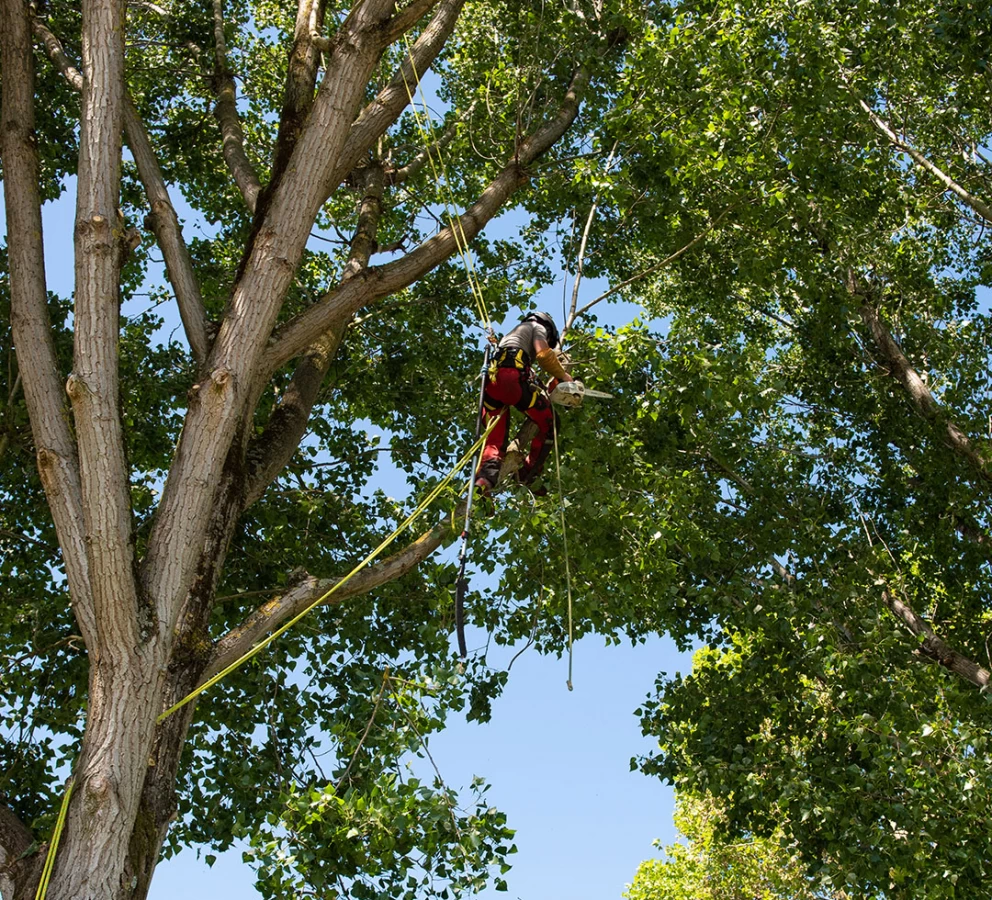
(290, 339)
(275, 447)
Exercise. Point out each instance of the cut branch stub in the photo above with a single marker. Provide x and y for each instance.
(517, 451)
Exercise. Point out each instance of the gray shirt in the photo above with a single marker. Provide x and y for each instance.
(523, 336)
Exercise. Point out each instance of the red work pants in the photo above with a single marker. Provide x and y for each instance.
(512, 387)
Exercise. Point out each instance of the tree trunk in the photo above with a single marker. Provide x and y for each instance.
(123, 703)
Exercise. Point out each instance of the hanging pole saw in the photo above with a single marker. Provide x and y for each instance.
(461, 583)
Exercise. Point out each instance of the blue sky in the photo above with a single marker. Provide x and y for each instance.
(559, 766)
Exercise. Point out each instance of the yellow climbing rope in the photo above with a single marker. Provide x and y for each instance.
(53, 844)
(409, 520)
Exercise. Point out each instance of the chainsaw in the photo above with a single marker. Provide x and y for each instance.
(571, 394)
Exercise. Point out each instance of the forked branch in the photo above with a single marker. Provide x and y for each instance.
(295, 335)
(163, 220)
(406, 18)
(385, 109)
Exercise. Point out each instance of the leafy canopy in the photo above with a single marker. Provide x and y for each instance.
(770, 482)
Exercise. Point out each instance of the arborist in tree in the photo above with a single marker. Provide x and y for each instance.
(511, 382)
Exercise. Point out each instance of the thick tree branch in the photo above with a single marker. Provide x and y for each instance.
(922, 399)
(407, 17)
(101, 269)
(56, 53)
(978, 205)
(43, 390)
(384, 110)
(226, 112)
(164, 223)
(93, 386)
(271, 615)
(287, 425)
(517, 450)
(933, 647)
(126, 659)
(290, 339)
(301, 82)
(364, 244)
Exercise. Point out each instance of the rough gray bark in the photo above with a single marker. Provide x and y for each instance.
(125, 653)
(20, 868)
(164, 223)
(219, 403)
(43, 388)
(384, 110)
(226, 113)
(301, 79)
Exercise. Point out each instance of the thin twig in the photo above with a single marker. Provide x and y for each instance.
(585, 237)
(437, 771)
(651, 269)
(368, 728)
